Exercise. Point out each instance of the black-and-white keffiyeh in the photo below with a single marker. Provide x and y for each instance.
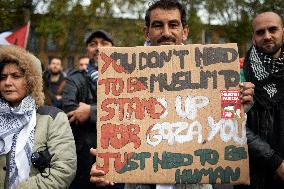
(267, 74)
(17, 129)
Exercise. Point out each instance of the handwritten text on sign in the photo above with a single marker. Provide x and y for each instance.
(159, 115)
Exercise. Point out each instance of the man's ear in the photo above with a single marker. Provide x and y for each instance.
(146, 33)
(253, 41)
(185, 33)
(283, 35)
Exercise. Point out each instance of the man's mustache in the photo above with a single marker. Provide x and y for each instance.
(166, 39)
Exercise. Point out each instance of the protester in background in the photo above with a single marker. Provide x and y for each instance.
(54, 81)
(97, 39)
(166, 25)
(80, 102)
(264, 67)
(37, 148)
(83, 62)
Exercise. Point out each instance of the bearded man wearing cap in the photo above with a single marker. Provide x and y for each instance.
(80, 104)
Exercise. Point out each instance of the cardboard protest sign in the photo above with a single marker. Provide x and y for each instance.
(171, 114)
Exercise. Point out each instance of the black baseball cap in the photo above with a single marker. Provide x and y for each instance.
(101, 34)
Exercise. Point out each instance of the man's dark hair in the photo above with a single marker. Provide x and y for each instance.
(166, 5)
(54, 57)
(82, 56)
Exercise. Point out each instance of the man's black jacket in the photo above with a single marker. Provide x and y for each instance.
(79, 88)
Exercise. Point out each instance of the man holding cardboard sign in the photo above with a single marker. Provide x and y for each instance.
(166, 25)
